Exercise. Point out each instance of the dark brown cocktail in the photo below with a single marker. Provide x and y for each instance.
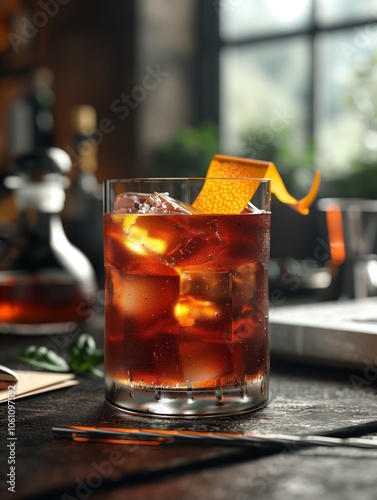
(186, 302)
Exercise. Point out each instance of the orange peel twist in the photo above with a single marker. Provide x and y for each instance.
(233, 197)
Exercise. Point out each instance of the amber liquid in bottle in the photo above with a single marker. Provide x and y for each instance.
(46, 283)
(38, 275)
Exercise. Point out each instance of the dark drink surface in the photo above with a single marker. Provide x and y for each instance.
(187, 305)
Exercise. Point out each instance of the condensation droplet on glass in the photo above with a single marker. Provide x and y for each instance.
(157, 395)
(190, 393)
(262, 387)
(219, 396)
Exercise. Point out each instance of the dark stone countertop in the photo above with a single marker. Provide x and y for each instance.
(304, 399)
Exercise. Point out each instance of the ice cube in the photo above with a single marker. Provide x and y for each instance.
(142, 302)
(190, 311)
(176, 239)
(204, 306)
(251, 209)
(210, 353)
(184, 361)
(200, 245)
(131, 246)
(129, 202)
(207, 364)
(249, 299)
(206, 284)
(143, 237)
(161, 203)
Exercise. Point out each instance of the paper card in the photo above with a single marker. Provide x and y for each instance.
(31, 383)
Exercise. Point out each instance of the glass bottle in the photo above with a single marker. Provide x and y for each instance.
(47, 285)
(30, 120)
(82, 214)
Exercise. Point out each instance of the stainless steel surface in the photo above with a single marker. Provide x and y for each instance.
(340, 333)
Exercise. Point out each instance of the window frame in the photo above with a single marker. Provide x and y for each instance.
(211, 44)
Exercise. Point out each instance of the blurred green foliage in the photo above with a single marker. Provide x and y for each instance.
(294, 161)
(296, 166)
(361, 182)
(188, 153)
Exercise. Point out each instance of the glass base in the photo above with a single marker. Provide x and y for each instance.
(38, 328)
(169, 402)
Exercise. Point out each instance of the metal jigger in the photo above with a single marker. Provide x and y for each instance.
(352, 232)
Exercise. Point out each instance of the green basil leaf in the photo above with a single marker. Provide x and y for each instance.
(44, 358)
(84, 354)
(80, 349)
(86, 364)
(97, 372)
